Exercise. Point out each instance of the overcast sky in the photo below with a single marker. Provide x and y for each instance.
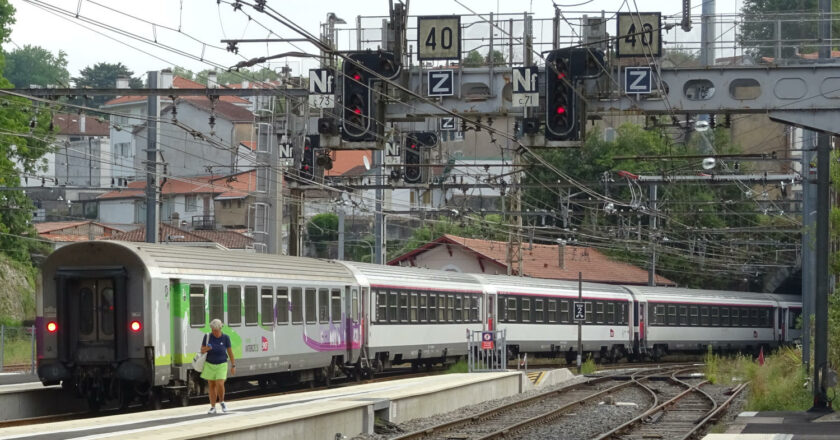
(206, 22)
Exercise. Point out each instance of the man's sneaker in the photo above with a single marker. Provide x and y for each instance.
(224, 408)
(212, 410)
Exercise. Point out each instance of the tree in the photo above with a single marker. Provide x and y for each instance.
(322, 230)
(475, 59)
(758, 32)
(182, 72)
(490, 227)
(103, 75)
(34, 65)
(24, 140)
(225, 77)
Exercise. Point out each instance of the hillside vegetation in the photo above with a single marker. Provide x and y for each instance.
(17, 297)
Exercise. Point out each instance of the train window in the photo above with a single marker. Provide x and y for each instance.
(475, 302)
(683, 311)
(599, 312)
(620, 317)
(216, 306)
(659, 315)
(525, 316)
(765, 319)
(692, 316)
(86, 313)
(511, 310)
(234, 305)
(745, 317)
(251, 304)
(403, 307)
(734, 318)
(459, 308)
(724, 316)
(282, 306)
(441, 310)
(381, 306)
(539, 305)
(197, 318)
(335, 303)
(610, 313)
(590, 317)
(310, 305)
(266, 305)
(106, 311)
(393, 306)
(414, 302)
(564, 311)
(552, 310)
(432, 307)
(715, 314)
(672, 315)
(754, 317)
(424, 304)
(704, 316)
(502, 310)
(297, 305)
(323, 306)
(795, 319)
(450, 308)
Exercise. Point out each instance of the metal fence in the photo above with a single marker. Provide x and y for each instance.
(17, 349)
(487, 350)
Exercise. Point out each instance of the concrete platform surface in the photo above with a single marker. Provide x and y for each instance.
(312, 415)
(781, 425)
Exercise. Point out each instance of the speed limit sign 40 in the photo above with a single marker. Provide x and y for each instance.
(439, 37)
(638, 34)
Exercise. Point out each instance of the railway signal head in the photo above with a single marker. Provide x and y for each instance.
(307, 159)
(560, 119)
(412, 172)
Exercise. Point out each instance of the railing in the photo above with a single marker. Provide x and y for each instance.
(17, 349)
(487, 350)
(204, 222)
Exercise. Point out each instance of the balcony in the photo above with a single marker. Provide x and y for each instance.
(203, 222)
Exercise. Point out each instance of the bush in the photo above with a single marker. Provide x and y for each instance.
(781, 384)
(588, 366)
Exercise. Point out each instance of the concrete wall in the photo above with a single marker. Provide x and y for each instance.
(460, 261)
(235, 215)
(120, 211)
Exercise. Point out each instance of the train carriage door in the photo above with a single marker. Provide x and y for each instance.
(640, 333)
(93, 315)
(491, 312)
(782, 327)
(352, 327)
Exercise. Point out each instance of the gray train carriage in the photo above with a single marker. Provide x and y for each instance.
(125, 318)
(418, 316)
(688, 320)
(539, 316)
(788, 318)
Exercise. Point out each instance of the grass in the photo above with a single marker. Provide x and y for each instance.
(588, 366)
(17, 351)
(458, 367)
(781, 384)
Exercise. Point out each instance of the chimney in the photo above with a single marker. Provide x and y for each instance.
(245, 84)
(561, 248)
(122, 82)
(165, 79)
(82, 123)
(212, 80)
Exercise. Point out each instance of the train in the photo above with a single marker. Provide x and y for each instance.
(120, 321)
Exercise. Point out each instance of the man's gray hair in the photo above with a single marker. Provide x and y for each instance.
(216, 324)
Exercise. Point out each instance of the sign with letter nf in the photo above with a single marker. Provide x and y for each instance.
(638, 34)
(525, 91)
(321, 88)
(486, 340)
(439, 37)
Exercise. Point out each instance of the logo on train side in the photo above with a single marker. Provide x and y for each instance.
(264, 343)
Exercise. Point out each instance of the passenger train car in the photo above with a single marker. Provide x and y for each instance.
(120, 320)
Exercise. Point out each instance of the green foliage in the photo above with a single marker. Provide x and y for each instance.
(34, 65)
(588, 366)
(711, 365)
(758, 33)
(225, 77)
(460, 367)
(103, 75)
(183, 73)
(781, 384)
(322, 230)
(490, 227)
(475, 59)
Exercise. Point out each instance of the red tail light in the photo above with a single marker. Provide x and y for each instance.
(52, 327)
(135, 326)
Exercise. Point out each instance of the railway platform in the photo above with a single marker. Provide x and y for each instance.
(311, 415)
(775, 425)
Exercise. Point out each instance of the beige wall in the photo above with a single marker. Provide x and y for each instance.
(758, 134)
(460, 261)
(235, 215)
(243, 132)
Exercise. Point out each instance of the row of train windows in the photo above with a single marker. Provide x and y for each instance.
(395, 306)
(710, 316)
(553, 310)
(265, 305)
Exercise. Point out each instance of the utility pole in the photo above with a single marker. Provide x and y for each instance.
(514, 251)
(707, 33)
(153, 113)
(653, 215)
(821, 401)
(808, 228)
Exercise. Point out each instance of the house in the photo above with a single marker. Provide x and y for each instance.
(61, 233)
(194, 144)
(560, 262)
(170, 234)
(193, 201)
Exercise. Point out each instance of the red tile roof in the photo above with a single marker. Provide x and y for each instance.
(347, 160)
(228, 239)
(542, 261)
(249, 144)
(71, 124)
(74, 231)
(166, 233)
(226, 110)
(178, 83)
(241, 183)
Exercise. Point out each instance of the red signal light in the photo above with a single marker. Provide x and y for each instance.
(135, 326)
(561, 110)
(357, 110)
(357, 76)
(561, 75)
(52, 327)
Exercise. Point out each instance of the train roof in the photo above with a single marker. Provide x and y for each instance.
(399, 276)
(675, 293)
(176, 261)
